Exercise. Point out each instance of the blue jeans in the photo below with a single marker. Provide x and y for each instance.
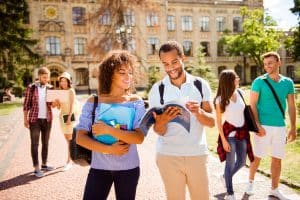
(99, 182)
(233, 164)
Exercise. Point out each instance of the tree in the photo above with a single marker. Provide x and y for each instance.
(16, 52)
(201, 69)
(295, 43)
(258, 36)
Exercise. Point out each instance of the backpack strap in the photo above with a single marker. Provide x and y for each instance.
(161, 89)
(93, 113)
(198, 85)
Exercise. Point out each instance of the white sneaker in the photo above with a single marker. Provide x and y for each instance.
(277, 193)
(67, 167)
(38, 173)
(230, 197)
(249, 189)
(222, 178)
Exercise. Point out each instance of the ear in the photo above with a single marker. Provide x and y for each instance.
(183, 58)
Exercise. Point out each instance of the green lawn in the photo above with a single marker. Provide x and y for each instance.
(7, 107)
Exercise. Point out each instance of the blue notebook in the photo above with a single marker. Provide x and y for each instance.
(116, 115)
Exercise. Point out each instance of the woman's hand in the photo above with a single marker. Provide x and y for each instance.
(226, 145)
(100, 128)
(119, 148)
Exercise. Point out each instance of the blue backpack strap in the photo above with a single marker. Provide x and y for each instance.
(161, 89)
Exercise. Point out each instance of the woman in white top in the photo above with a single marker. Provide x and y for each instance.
(234, 140)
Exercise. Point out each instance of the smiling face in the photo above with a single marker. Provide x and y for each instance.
(173, 64)
(122, 78)
(271, 65)
(64, 83)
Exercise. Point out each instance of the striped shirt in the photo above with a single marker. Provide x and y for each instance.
(31, 103)
(127, 161)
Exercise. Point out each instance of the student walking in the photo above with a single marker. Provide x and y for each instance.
(269, 114)
(234, 139)
(117, 162)
(38, 119)
(181, 154)
(67, 113)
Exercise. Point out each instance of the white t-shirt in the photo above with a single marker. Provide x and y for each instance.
(234, 111)
(42, 103)
(177, 141)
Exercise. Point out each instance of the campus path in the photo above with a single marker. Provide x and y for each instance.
(18, 183)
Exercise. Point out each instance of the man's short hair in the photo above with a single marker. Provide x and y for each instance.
(171, 45)
(43, 70)
(271, 53)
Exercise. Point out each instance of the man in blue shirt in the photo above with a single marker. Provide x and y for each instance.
(270, 119)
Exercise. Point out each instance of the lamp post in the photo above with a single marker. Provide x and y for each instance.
(124, 36)
(89, 60)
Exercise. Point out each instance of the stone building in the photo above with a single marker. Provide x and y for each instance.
(64, 33)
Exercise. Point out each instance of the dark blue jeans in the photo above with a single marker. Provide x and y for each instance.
(99, 183)
(235, 159)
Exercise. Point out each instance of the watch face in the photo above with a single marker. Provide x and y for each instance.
(51, 12)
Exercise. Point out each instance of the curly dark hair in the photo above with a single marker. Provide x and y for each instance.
(112, 62)
(226, 87)
(171, 45)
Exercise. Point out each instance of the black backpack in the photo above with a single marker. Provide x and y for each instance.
(161, 88)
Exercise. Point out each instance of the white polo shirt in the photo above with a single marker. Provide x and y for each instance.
(177, 141)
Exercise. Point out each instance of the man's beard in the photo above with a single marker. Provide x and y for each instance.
(179, 72)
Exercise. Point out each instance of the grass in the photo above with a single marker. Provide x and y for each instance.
(6, 108)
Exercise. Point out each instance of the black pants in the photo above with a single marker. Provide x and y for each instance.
(44, 127)
(99, 182)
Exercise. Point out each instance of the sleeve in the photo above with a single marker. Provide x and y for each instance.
(256, 85)
(291, 88)
(206, 91)
(27, 97)
(153, 96)
(85, 119)
(139, 113)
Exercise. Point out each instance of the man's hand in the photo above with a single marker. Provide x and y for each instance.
(291, 135)
(261, 131)
(26, 123)
(168, 115)
(193, 107)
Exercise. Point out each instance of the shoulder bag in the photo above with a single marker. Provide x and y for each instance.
(79, 154)
(249, 117)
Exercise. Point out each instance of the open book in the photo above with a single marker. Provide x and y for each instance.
(148, 119)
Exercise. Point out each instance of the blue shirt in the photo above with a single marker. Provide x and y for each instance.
(268, 110)
(102, 161)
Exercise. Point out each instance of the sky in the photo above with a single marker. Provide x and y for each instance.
(280, 12)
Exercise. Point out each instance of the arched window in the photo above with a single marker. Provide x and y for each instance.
(220, 69)
(290, 71)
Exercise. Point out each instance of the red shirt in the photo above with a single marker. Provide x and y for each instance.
(31, 103)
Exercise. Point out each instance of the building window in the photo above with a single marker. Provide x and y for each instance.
(171, 23)
(131, 45)
(238, 70)
(53, 45)
(204, 24)
(152, 19)
(129, 19)
(220, 21)
(205, 48)
(220, 69)
(187, 48)
(78, 15)
(253, 72)
(237, 24)
(186, 23)
(82, 77)
(290, 71)
(105, 18)
(79, 46)
(153, 45)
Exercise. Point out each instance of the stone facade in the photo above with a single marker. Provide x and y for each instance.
(64, 35)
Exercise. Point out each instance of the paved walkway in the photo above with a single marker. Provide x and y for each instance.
(18, 183)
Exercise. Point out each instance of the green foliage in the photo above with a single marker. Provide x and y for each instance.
(258, 36)
(201, 69)
(16, 44)
(154, 75)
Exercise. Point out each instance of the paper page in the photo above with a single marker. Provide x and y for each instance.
(61, 95)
